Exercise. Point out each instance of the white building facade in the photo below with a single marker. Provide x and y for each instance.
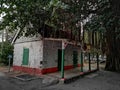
(40, 56)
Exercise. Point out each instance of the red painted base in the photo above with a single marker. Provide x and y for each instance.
(40, 71)
(63, 79)
(81, 73)
(27, 70)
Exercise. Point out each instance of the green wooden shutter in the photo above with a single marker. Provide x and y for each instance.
(25, 56)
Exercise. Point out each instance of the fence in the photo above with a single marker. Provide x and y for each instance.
(89, 61)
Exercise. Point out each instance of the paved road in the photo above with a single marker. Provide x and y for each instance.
(98, 81)
(8, 83)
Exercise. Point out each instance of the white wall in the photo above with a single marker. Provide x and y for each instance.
(50, 50)
(50, 57)
(36, 49)
(35, 52)
(69, 54)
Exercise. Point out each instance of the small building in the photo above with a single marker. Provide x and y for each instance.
(36, 55)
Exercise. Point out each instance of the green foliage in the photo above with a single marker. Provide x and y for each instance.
(6, 50)
(34, 14)
(106, 17)
(60, 14)
(106, 20)
(103, 16)
(22, 13)
(30, 14)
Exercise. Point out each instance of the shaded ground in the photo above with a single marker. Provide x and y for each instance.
(101, 80)
(8, 83)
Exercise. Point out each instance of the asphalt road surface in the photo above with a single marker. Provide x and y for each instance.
(9, 83)
(102, 80)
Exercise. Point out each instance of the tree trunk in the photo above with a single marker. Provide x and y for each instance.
(113, 43)
(93, 38)
(79, 37)
(113, 52)
(89, 37)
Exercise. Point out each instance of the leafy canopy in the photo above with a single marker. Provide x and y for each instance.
(30, 14)
(34, 14)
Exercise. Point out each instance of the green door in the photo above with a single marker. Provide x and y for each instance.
(25, 56)
(75, 59)
(59, 59)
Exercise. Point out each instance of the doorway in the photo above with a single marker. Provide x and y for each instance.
(75, 59)
(59, 59)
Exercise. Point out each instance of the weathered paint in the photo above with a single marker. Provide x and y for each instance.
(35, 71)
(43, 55)
(35, 52)
(69, 54)
(39, 71)
(50, 50)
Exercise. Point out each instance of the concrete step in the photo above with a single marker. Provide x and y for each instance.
(49, 80)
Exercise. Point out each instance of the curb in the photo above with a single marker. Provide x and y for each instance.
(72, 79)
(48, 81)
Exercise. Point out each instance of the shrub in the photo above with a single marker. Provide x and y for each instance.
(5, 51)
